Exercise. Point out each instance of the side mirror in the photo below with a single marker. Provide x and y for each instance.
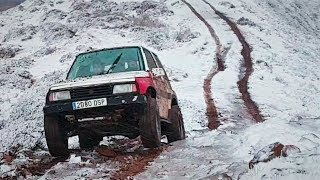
(157, 72)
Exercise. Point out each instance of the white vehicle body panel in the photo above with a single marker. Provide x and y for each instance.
(102, 79)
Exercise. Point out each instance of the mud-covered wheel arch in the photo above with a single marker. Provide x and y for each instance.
(56, 136)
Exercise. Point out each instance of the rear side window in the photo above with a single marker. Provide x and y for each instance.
(157, 60)
(150, 60)
(160, 65)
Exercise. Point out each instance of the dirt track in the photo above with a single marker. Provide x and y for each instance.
(130, 163)
(212, 113)
(137, 163)
(39, 169)
(252, 107)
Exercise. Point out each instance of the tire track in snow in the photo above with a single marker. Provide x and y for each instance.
(212, 113)
(252, 107)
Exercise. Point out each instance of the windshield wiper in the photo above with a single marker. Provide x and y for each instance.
(114, 64)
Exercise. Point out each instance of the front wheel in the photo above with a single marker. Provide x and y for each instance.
(150, 126)
(176, 129)
(56, 137)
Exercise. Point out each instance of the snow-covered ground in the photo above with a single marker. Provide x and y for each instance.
(39, 40)
(285, 85)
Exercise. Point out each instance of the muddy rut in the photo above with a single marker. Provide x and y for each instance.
(130, 163)
(252, 107)
(136, 164)
(212, 112)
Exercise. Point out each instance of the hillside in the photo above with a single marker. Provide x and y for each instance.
(246, 73)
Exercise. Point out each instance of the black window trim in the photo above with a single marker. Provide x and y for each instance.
(145, 51)
(157, 60)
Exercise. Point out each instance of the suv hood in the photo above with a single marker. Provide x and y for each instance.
(99, 80)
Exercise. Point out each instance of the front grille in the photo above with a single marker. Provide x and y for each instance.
(94, 91)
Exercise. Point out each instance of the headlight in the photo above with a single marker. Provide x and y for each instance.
(124, 88)
(58, 96)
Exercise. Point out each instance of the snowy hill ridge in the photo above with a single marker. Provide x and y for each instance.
(40, 38)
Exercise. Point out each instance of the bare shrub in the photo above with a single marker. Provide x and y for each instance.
(8, 52)
(245, 21)
(147, 21)
(186, 35)
(23, 32)
(54, 15)
(44, 51)
(56, 32)
(227, 4)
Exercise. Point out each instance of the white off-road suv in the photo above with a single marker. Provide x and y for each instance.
(116, 91)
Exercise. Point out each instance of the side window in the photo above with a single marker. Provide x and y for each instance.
(150, 60)
(157, 60)
(161, 66)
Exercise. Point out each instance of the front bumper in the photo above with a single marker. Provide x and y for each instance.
(123, 101)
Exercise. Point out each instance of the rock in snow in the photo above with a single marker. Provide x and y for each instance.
(272, 151)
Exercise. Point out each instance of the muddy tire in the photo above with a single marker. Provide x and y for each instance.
(176, 129)
(150, 126)
(56, 137)
(88, 140)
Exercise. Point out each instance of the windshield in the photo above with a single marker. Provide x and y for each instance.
(105, 62)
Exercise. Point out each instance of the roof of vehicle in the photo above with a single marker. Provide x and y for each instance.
(116, 47)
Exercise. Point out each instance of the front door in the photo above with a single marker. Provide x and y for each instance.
(167, 89)
(159, 84)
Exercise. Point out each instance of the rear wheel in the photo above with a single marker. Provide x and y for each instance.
(56, 136)
(176, 129)
(88, 140)
(150, 126)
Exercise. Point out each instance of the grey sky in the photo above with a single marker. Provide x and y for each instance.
(9, 2)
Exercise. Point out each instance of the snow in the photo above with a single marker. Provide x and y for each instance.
(44, 36)
(74, 159)
(284, 85)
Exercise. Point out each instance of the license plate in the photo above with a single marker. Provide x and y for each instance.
(89, 103)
